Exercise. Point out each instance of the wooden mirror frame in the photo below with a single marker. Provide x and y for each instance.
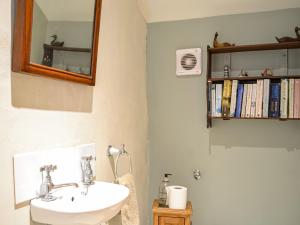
(22, 46)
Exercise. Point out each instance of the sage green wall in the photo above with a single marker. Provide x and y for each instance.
(39, 28)
(250, 169)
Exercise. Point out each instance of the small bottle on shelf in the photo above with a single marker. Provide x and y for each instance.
(162, 198)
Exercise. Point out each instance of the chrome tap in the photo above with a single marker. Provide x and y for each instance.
(86, 169)
(47, 185)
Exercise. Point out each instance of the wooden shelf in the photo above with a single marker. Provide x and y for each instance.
(257, 47)
(67, 49)
(49, 52)
(214, 79)
(244, 48)
(246, 118)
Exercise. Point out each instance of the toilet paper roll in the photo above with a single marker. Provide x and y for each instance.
(177, 197)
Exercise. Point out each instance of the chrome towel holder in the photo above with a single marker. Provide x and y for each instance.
(116, 153)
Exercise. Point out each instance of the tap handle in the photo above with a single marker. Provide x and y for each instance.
(86, 162)
(48, 168)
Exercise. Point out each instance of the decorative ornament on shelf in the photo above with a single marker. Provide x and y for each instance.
(267, 72)
(290, 39)
(56, 43)
(243, 73)
(226, 71)
(217, 44)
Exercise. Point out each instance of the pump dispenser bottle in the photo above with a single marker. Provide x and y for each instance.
(162, 198)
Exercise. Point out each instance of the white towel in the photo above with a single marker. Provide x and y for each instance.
(130, 212)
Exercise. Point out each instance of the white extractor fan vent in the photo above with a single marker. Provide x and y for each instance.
(188, 62)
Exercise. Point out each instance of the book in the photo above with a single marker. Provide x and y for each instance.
(219, 100)
(239, 100)
(253, 101)
(226, 98)
(209, 109)
(266, 94)
(259, 99)
(244, 103)
(233, 98)
(297, 99)
(291, 98)
(213, 100)
(248, 104)
(284, 98)
(274, 100)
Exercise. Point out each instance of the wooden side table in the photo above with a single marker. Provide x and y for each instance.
(167, 216)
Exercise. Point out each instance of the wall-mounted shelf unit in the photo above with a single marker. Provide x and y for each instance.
(69, 49)
(49, 49)
(257, 47)
(232, 55)
(220, 79)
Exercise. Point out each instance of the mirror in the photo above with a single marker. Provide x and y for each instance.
(62, 36)
(57, 38)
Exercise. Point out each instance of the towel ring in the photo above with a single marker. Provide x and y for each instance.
(116, 164)
(118, 152)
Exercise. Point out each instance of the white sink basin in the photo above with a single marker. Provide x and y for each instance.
(102, 202)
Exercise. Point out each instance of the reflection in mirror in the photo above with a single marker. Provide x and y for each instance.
(62, 34)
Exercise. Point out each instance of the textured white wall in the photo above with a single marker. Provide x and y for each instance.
(170, 10)
(39, 113)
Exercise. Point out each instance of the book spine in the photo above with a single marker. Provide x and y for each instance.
(233, 98)
(253, 100)
(239, 100)
(291, 98)
(248, 104)
(284, 98)
(259, 99)
(218, 100)
(275, 100)
(244, 103)
(297, 99)
(213, 100)
(226, 98)
(266, 94)
(209, 109)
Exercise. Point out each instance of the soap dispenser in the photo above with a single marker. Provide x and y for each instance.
(162, 197)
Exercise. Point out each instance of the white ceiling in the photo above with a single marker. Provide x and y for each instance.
(168, 10)
(67, 10)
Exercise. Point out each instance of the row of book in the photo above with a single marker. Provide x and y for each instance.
(260, 99)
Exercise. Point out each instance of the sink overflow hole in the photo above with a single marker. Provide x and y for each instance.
(72, 199)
